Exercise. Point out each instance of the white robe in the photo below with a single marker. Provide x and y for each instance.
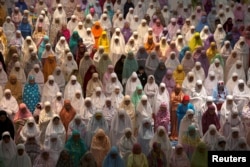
(243, 52)
(72, 25)
(10, 106)
(210, 85)
(240, 71)
(70, 90)
(219, 72)
(78, 103)
(7, 152)
(49, 92)
(68, 66)
(52, 129)
(21, 161)
(131, 86)
(116, 99)
(161, 97)
(98, 101)
(60, 51)
(143, 112)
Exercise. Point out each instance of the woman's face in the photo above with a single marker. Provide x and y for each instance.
(56, 121)
(30, 124)
(7, 95)
(179, 151)
(212, 132)
(128, 134)
(3, 118)
(151, 80)
(161, 133)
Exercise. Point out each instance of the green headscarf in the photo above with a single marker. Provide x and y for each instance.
(218, 56)
(136, 97)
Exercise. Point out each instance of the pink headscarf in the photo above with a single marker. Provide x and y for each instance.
(157, 29)
(162, 117)
(239, 14)
(22, 115)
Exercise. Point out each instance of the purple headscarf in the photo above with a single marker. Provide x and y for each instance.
(204, 61)
(170, 83)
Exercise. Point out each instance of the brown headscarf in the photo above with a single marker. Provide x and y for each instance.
(16, 88)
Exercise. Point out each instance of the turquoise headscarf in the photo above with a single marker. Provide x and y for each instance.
(73, 41)
(42, 47)
(31, 94)
(76, 149)
(130, 65)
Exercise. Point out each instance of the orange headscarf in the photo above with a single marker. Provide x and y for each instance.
(67, 114)
(49, 66)
(97, 32)
(149, 47)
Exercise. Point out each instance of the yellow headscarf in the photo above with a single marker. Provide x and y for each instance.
(104, 41)
(195, 41)
(179, 74)
(211, 51)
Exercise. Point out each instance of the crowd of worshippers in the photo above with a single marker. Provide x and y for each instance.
(105, 83)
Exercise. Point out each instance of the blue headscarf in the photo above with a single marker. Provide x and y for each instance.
(183, 51)
(25, 28)
(22, 6)
(115, 161)
(201, 24)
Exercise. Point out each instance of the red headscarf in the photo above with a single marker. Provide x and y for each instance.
(185, 98)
